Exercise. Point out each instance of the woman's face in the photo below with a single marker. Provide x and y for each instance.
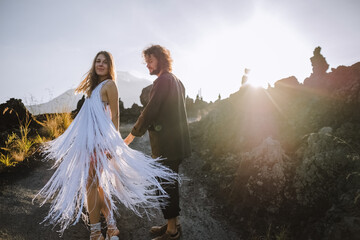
(101, 66)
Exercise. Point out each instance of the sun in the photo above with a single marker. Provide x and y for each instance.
(273, 49)
(265, 44)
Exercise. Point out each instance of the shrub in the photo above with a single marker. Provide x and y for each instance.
(56, 124)
(17, 147)
(6, 160)
(325, 164)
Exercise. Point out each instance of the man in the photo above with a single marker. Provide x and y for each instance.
(165, 118)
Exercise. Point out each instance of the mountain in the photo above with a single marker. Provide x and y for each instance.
(66, 102)
(129, 88)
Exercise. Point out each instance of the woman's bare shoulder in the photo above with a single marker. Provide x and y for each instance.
(110, 83)
(110, 87)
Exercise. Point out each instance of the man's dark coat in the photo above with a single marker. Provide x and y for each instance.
(165, 118)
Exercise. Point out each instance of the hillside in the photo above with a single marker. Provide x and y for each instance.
(286, 160)
(275, 163)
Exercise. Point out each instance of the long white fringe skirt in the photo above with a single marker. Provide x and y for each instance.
(92, 144)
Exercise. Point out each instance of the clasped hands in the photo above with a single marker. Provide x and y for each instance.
(129, 139)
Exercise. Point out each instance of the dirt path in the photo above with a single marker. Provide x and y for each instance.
(19, 218)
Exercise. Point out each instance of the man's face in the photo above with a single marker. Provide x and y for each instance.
(152, 64)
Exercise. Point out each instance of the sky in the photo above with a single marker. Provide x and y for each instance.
(47, 46)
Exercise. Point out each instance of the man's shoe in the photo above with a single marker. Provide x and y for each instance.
(161, 230)
(168, 236)
(158, 230)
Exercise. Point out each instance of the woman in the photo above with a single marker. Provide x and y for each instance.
(94, 165)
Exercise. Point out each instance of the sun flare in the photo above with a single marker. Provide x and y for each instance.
(273, 50)
(265, 44)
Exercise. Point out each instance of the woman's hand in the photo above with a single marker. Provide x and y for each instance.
(129, 139)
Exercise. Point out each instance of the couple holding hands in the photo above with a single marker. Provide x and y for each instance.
(95, 168)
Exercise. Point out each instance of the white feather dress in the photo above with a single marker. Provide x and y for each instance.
(126, 175)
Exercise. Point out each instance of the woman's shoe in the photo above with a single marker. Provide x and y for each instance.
(112, 231)
(95, 231)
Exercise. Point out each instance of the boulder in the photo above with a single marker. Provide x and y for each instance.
(287, 83)
(145, 95)
(13, 113)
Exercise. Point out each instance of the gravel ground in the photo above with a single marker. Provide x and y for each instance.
(201, 216)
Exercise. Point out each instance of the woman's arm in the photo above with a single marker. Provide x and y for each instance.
(113, 98)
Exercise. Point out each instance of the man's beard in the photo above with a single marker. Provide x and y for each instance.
(155, 72)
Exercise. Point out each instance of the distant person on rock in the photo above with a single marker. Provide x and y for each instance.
(245, 76)
(94, 166)
(165, 118)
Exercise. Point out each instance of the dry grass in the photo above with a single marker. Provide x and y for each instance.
(56, 124)
(6, 160)
(17, 147)
(20, 146)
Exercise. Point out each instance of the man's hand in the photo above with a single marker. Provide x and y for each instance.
(129, 139)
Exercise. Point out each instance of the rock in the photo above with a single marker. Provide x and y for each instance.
(344, 83)
(78, 106)
(320, 177)
(265, 172)
(13, 113)
(314, 127)
(13, 116)
(325, 130)
(287, 83)
(145, 95)
(80, 103)
(130, 115)
(318, 62)
(319, 66)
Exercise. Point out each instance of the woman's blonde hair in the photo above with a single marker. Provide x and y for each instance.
(92, 79)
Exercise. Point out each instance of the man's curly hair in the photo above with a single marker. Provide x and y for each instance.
(162, 55)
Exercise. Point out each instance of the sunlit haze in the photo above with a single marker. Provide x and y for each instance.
(48, 47)
(264, 44)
